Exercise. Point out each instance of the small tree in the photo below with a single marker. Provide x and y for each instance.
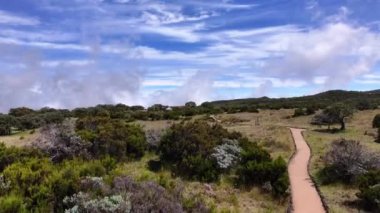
(338, 113)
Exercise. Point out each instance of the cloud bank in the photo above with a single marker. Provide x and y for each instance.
(76, 53)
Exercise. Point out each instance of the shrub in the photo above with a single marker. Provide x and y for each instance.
(82, 202)
(369, 185)
(112, 137)
(60, 142)
(376, 121)
(227, 154)
(12, 204)
(13, 154)
(376, 124)
(29, 179)
(147, 196)
(153, 137)
(257, 168)
(310, 110)
(261, 172)
(5, 129)
(347, 160)
(299, 112)
(188, 147)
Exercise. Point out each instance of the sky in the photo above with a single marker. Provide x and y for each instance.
(75, 53)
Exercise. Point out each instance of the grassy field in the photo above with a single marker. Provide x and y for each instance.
(19, 139)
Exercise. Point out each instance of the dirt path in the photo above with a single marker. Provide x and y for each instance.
(305, 197)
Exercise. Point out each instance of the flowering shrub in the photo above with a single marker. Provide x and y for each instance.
(82, 202)
(61, 142)
(227, 154)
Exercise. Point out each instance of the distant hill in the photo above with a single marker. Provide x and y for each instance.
(320, 100)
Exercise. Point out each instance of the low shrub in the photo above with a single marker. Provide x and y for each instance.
(347, 160)
(376, 121)
(12, 204)
(299, 112)
(369, 186)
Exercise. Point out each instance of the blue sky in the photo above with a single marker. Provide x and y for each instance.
(85, 52)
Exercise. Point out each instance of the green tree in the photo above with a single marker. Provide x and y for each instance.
(21, 111)
(191, 104)
(338, 113)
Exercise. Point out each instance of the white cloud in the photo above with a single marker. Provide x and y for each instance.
(338, 51)
(13, 19)
(67, 63)
(40, 35)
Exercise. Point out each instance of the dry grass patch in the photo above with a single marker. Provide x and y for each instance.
(20, 139)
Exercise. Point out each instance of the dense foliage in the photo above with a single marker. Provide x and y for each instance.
(31, 182)
(369, 186)
(188, 148)
(112, 137)
(201, 151)
(257, 168)
(25, 119)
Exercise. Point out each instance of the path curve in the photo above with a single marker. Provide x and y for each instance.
(305, 198)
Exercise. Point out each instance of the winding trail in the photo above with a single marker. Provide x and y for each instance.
(305, 198)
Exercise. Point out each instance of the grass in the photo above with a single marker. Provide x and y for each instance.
(20, 139)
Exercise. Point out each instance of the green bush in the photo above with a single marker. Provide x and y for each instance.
(42, 185)
(369, 186)
(112, 137)
(257, 168)
(187, 149)
(299, 112)
(376, 121)
(261, 172)
(14, 154)
(12, 204)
